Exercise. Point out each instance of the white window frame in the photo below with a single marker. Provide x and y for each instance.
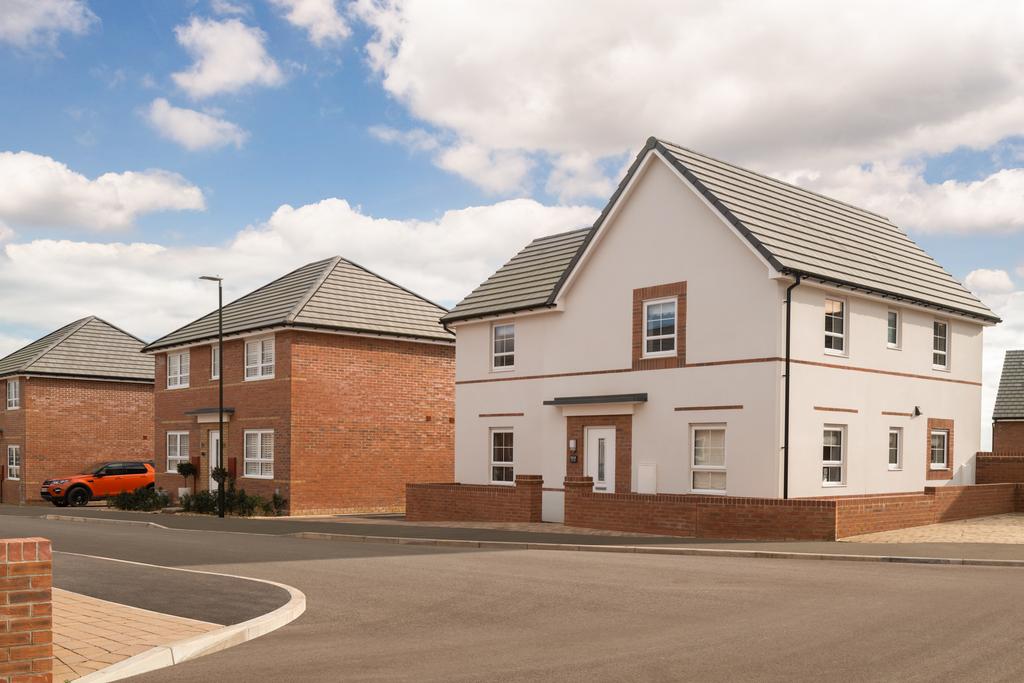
(899, 330)
(172, 461)
(261, 369)
(841, 463)
(845, 336)
(183, 370)
(214, 361)
(258, 459)
(492, 463)
(945, 354)
(503, 354)
(694, 467)
(945, 450)
(898, 465)
(13, 394)
(14, 456)
(675, 317)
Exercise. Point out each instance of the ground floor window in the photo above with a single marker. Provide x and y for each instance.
(502, 457)
(707, 459)
(177, 450)
(14, 462)
(939, 447)
(833, 455)
(259, 453)
(895, 448)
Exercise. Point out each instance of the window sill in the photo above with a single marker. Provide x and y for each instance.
(940, 368)
(648, 356)
(708, 492)
(893, 348)
(13, 407)
(836, 354)
(832, 486)
(177, 386)
(258, 378)
(938, 469)
(255, 476)
(507, 368)
(503, 483)
(893, 468)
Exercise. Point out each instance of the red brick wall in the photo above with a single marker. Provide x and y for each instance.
(259, 404)
(26, 621)
(370, 416)
(999, 468)
(867, 514)
(698, 516)
(12, 432)
(575, 427)
(1008, 437)
(475, 503)
(677, 290)
(64, 425)
(930, 474)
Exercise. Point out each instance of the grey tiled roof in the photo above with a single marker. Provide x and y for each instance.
(529, 280)
(1010, 399)
(795, 230)
(89, 347)
(333, 294)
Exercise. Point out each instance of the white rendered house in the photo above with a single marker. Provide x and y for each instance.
(650, 351)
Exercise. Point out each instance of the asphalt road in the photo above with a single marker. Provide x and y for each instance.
(396, 612)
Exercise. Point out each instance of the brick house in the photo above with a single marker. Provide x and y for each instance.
(650, 352)
(1008, 414)
(80, 394)
(338, 390)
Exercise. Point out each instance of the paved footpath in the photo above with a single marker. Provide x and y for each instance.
(430, 613)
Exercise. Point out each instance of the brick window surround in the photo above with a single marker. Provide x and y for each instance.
(575, 428)
(678, 290)
(930, 474)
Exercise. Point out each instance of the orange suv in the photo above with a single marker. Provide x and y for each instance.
(98, 481)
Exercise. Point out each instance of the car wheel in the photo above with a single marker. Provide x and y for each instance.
(78, 497)
(60, 502)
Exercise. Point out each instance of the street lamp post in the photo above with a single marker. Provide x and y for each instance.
(220, 387)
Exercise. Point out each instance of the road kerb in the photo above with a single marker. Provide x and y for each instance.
(100, 520)
(658, 550)
(204, 644)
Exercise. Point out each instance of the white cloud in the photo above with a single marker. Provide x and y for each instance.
(10, 343)
(496, 171)
(229, 56)
(779, 86)
(227, 8)
(38, 191)
(987, 280)
(577, 175)
(39, 23)
(417, 139)
(150, 289)
(320, 19)
(899, 191)
(192, 129)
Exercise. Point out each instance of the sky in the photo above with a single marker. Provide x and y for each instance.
(145, 143)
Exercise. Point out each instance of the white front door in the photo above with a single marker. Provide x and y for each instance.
(214, 456)
(600, 457)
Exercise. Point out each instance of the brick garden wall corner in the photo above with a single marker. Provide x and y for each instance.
(26, 611)
(475, 503)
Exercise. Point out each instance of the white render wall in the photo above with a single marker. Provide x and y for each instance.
(665, 233)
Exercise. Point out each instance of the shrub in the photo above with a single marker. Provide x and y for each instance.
(143, 499)
(236, 502)
(203, 502)
(186, 470)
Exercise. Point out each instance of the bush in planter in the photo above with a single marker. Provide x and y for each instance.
(186, 470)
(143, 499)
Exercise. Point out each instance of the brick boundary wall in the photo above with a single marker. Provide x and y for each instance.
(475, 503)
(999, 468)
(698, 516)
(26, 621)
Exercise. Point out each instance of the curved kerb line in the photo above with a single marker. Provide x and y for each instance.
(206, 643)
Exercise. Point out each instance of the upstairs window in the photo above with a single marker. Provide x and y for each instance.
(660, 327)
(940, 345)
(835, 326)
(13, 394)
(177, 370)
(892, 331)
(939, 450)
(708, 461)
(215, 362)
(14, 462)
(895, 448)
(502, 457)
(833, 456)
(259, 359)
(504, 346)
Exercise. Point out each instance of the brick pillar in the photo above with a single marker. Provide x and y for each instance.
(26, 623)
(530, 488)
(574, 488)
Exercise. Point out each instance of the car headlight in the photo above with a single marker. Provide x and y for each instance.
(59, 481)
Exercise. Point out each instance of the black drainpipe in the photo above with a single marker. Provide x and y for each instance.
(785, 427)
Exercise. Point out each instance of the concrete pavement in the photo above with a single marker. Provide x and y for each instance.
(398, 612)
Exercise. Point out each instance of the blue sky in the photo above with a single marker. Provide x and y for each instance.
(432, 139)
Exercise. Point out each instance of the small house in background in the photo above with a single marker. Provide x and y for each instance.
(81, 394)
(1008, 415)
(338, 391)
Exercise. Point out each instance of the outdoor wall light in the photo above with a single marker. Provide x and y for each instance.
(917, 411)
(572, 450)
